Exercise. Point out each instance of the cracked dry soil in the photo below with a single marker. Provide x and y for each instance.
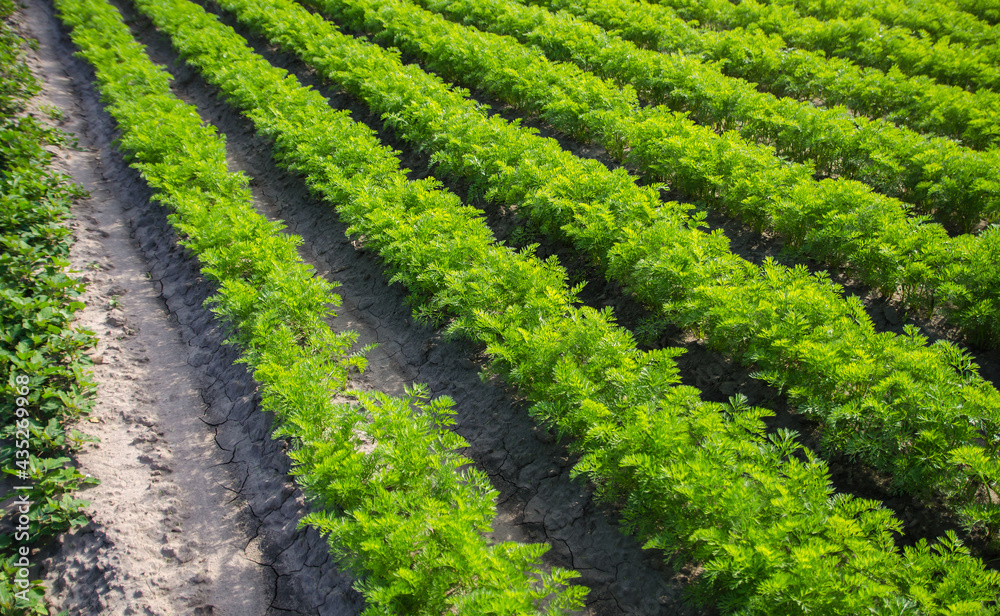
(196, 513)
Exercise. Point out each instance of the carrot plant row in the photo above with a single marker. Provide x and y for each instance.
(936, 19)
(987, 10)
(43, 362)
(804, 74)
(959, 186)
(382, 470)
(854, 380)
(693, 475)
(862, 40)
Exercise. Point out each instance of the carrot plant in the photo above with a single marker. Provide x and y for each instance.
(839, 222)
(629, 419)
(370, 465)
(987, 10)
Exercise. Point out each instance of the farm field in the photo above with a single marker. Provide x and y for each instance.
(500, 307)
